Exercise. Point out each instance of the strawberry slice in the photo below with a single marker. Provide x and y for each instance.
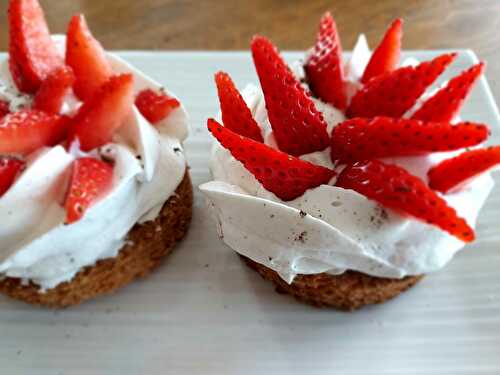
(386, 56)
(91, 179)
(87, 58)
(27, 130)
(284, 175)
(33, 55)
(54, 88)
(364, 139)
(298, 126)
(392, 94)
(446, 103)
(394, 188)
(459, 170)
(236, 115)
(155, 106)
(4, 108)
(103, 113)
(324, 68)
(9, 170)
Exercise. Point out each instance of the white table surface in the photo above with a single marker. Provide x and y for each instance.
(204, 312)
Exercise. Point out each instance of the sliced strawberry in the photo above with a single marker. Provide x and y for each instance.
(33, 55)
(236, 115)
(394, 93)
(324, 68)
(446, 103)
(364, 139)
(87, 58)
(394, 188)
(284, 175)
(103, 113)
(4, 108)
(298, 126)
(27, 130)
(458, 170)
(9, 170)
(155, 106)
(91, 179)
(386, 56)
(50, 96)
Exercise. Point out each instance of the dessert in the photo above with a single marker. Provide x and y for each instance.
(94, 188)
(344, 184)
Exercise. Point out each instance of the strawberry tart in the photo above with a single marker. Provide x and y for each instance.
(94, 188)
(345, 183)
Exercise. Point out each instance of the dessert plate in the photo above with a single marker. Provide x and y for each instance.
(207, 313)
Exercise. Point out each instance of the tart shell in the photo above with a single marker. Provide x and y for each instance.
(348, 291)
(147, 245)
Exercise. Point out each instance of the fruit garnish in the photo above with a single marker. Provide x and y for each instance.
(155, 106)
(284, 175)
(27, 130)
(236, 115)
(364, 139)
(298, 126)
(386, 56)
(33, 54)
(90, 180)
(50, 96)
(103, 113)
(446, 103)
(87, 58)
(9, 170)
(395, 188)
(4, 108)
(324, 68)
(394, 93)
(456, 171)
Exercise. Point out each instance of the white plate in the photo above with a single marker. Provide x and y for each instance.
(204, 312)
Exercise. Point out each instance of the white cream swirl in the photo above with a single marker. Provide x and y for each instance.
(330, 229)
(149, 165)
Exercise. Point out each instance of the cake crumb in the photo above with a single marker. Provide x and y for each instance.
(301, 237)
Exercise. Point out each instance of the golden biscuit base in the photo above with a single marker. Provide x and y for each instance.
(147, 245)
(348, 291)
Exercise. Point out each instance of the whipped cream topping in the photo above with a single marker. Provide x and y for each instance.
(331, 229)
(35, 243)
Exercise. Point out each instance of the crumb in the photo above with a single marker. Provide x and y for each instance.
(207, 265)
(302, 213)
(301, 237)
(271, 216)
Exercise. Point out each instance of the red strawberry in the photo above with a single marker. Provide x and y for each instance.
(446, 103)
(4, 108)
(91, 179)
(364, 139)
(460, 169)
(386, 57)
(103, 113)
(236, 116)
(54, 88)
(27, 130)
(9, 170)
(155, 106)
(324, 67)
(392, 94)
(395, 188)
(87, 58)
(33, 55)
(298, 126)
(284, 175)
